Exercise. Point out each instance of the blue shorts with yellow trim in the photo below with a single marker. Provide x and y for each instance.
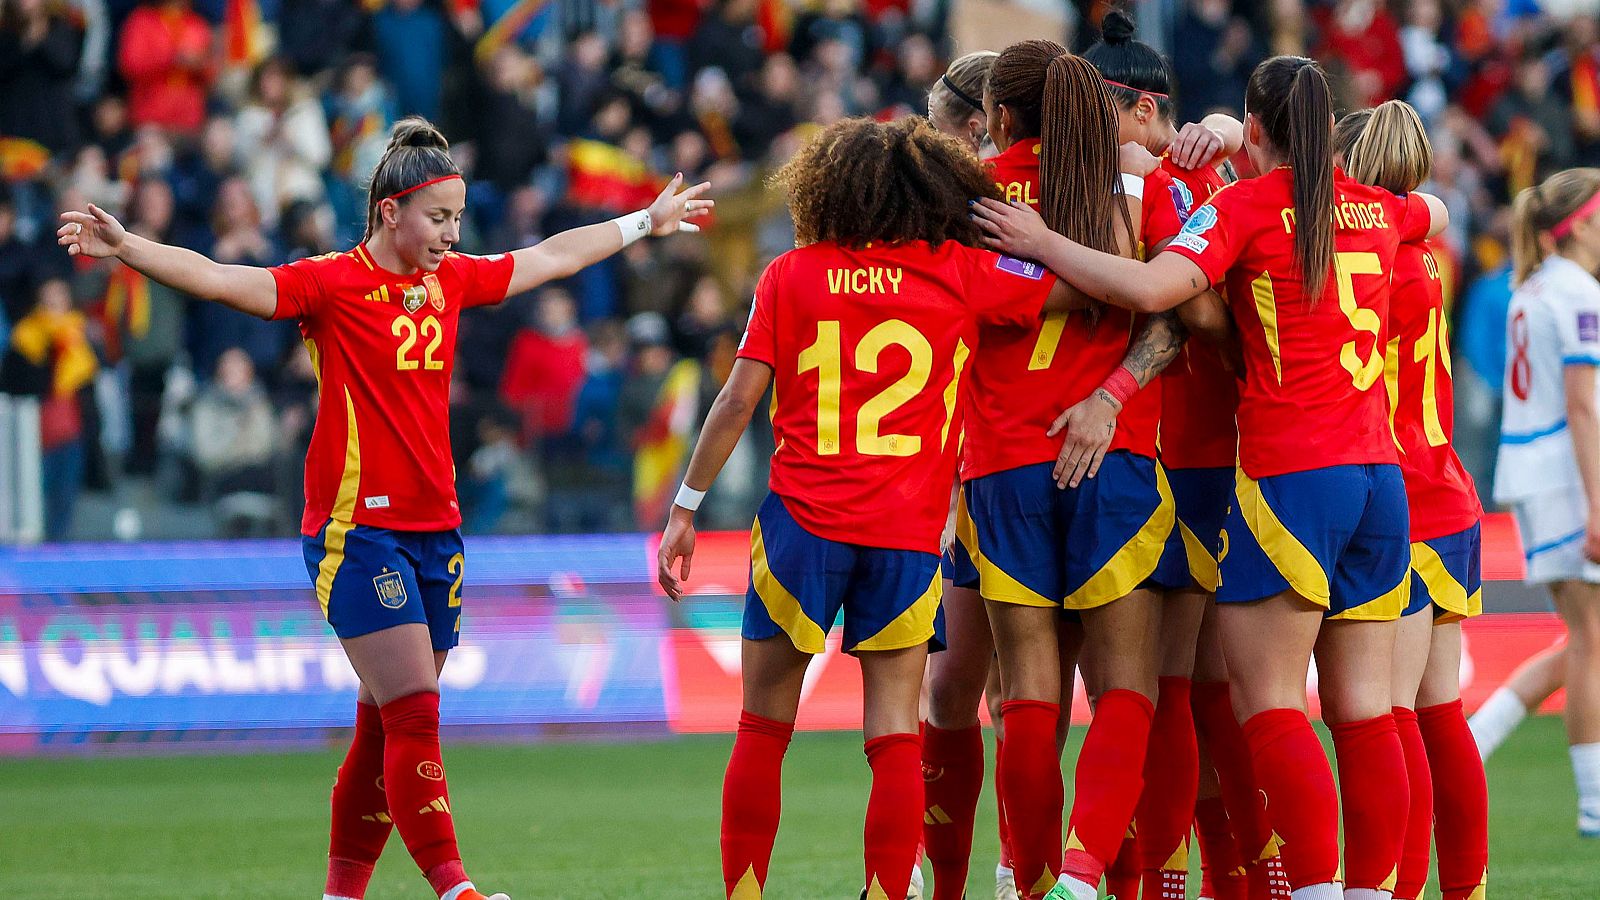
(957, 566)
(1202, 498)
(799, 582)
(1037, 545)
(1339, 536)
(1447, 573)
(369, 579)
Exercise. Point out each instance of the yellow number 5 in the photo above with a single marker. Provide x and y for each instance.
(1364, 373)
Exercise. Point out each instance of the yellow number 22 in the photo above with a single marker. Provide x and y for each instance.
(405, 328)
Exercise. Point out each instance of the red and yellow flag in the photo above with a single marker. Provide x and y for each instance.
(661, 449)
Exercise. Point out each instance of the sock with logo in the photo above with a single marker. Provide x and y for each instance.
(894, 813)
(1293, 773)
(1230, 756)
(1375, 796)
(1221, 867)
(952, 772)
(1171, 783)
(1461, 808)
(1108, 782)
(752, 800)
(1122, 876)
(419, 798)
(360, 821)
(1419, 815)
(1030, 782)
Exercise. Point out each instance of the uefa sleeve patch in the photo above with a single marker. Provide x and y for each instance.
(1201, 221)
(1589, 327)
(1024, 267)
(1191, 242)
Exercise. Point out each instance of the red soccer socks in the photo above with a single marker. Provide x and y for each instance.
(1171, 782)
(1375, 796)
(952, 773)
(361, 822)
(894, 814)
(1293, 773)
(1108, 782)
(751, 803)
(1032, 791)
(1419, 816)
(1461, 808)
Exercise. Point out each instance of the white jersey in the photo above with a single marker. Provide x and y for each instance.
(1553, 322)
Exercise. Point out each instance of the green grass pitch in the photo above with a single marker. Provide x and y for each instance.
(574, 821)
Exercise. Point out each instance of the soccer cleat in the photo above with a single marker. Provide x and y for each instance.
(1588, 825)
(1005, 885)
(1069, 888)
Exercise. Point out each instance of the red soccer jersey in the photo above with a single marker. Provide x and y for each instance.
(1199, 396)
(1441, 495)
(1313, 396)
(867, 349)
(383, 346)
(1159, 221)
(1024, 375)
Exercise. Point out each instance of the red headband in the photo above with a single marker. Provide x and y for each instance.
(417, 187)
(1564, 227)
(1134, 89)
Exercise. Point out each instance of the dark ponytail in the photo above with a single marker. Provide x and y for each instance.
(1135, 67)
(417, 152)
(1291, 98)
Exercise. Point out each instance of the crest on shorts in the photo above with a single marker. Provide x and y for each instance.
(391, 589)
(413, 296)
(435, 290)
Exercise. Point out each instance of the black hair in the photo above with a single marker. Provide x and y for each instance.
(1131, 67)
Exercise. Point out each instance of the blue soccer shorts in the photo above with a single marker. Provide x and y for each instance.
(1447, 573)
(369, 579)
(1338, 536)
(799, 584)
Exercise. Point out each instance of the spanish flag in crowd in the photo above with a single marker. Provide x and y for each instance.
(244, 39)
(22, 159)
(60, 340)
(125, 310)
(775, 18)
(505, 29)
(661, 450)
(1519, 152)
(603, 176)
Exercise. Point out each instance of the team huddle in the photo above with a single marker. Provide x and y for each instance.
(1094, 403)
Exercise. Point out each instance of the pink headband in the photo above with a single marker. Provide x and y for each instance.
(417, 187)
(1132, 88)
(1564, 227)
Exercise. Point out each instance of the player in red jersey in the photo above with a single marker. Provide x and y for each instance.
(1076, 524)
(865, 331)
(1198, 396)
(1317, 531)
(1388, 148)
(381, 527)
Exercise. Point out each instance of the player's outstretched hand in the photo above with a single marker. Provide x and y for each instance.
(1196, 146)
(677, 542)
(1089, 425)
(1014, 228)
(95, 233)
(672, 208)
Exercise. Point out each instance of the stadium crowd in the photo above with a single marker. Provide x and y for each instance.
(245, 130)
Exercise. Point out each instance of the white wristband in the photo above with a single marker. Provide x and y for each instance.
(633, 226)
(1133, 185)
(689, 498)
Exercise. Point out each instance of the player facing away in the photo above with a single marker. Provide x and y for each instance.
(1388, 147)
(864, 331)
(381, 526)
(1318, 549)
(1197, 405)
(1549, 465)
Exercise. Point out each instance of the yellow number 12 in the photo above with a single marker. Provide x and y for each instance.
(825, 356)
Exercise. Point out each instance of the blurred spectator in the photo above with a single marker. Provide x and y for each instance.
(197, 177)
(704, 318)
(515, 140)
(359, 111)
(317, 35)
(765, 115)
(39, 54)
(1535, 126)
(1361, 37)
(234, 433)
(906, 91)
(583, 82)
(24, 264)
(409, 37)
(287, 135)
(545, 367)
(108, 126)
(486, 487)
(165, 56)
(49, 357)
(635, 70)
(1429, 61)
(239, 240)
(1214, 59)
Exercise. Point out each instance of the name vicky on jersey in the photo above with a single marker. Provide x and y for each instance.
(865, 280)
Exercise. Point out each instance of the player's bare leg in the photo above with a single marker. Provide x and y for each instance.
(1122, 640)
(399, 672)
(1355, 665)
(1028, 647)
(1268, 689)
(1578, 603)
(1411, 655)
(1530, 684)
(952, 741)
(892, 683)
(1461, 806)
(773, 672)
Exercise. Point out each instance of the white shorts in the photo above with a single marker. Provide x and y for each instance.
(1552, 527)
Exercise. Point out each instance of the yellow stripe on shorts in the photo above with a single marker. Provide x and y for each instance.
(1291, 558)
(782, 607)
(913, 626)
(1135, 560)
(1444, 590)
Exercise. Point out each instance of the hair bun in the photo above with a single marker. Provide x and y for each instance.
(1116, 27)
(415, 131)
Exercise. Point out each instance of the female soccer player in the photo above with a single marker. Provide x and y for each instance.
(381, 525)
(865, 331)
(1317, 528)
(1549, 466)
(1388, 147)
(1198, 397)
(1075, 524)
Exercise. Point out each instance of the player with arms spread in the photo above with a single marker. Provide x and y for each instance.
(864, 331)
(381, 526)
(1318, 528)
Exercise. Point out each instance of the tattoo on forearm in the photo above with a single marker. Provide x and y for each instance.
(1156, 348)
